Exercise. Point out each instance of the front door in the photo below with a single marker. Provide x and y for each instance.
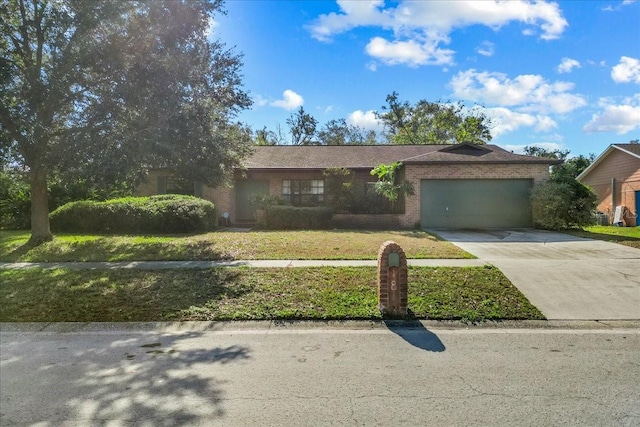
(245, 190)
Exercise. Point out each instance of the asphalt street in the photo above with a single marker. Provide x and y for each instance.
(363, 375)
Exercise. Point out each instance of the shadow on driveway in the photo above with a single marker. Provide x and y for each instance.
(524, 235)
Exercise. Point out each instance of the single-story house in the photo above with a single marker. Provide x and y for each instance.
(615, 177)
(456, 186)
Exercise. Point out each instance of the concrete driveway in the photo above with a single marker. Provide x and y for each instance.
(566, 277)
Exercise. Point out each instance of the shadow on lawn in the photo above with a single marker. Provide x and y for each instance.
(117, 295)
(113, 248)
(606, 237)
(17, 253)
(413, 332)
(630, 241)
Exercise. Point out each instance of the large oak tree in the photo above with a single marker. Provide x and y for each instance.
(106, 88)
(433, 122)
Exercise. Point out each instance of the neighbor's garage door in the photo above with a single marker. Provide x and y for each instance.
(475, 203)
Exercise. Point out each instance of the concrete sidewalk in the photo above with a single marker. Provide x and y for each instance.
(167, 265)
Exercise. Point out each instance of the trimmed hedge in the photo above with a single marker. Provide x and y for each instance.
(166, 213)
(292, 217)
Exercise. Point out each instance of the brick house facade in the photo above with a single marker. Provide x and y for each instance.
(615, 178)
(272, 167)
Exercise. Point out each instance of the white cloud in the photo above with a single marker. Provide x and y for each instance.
(486, 48)
(529, 92)
(610, 8)
(420, 28)
(410, 52)
(259, 101)
(365, 119)
(290, 100)
(567, 65)
(545, 123)
(618, 118)
(627, 70)
(505, 120)
(211, 26)
(352, 14)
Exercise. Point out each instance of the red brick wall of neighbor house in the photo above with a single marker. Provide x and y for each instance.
(626, 171)
(414, 173)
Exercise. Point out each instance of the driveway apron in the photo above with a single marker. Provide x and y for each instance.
(566, 277)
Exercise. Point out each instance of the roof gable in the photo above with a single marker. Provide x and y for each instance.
(467, 149)
(629, 149)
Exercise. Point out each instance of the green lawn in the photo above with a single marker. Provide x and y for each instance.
(329, 244)
(629, 236)
(56, 295)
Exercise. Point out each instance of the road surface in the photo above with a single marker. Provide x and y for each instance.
(190, 374)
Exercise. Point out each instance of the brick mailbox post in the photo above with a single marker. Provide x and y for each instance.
(392, 279)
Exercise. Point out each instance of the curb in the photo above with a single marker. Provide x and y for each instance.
(311, 325)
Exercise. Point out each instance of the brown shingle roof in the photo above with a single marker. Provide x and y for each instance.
(632, 148)
(369, 156)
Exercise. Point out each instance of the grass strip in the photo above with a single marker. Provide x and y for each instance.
(628, 236)
(60, 295)
(254, 245)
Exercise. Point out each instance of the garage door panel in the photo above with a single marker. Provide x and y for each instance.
(468, 203)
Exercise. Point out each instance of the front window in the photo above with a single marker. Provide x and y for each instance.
(174, 185)
(177, 185)
(303, 192)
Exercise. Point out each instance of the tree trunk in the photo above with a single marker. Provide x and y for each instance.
(40, 230)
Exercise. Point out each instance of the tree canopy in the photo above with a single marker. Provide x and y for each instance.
(104, 89)
(302, 127)
(569, 169)
(433, 122)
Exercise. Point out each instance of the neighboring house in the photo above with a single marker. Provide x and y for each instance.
(615, 177)
(456, 186)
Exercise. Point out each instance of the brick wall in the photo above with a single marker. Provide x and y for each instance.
(626, 171)
(224, 197)
(414, 173)
(392, 294)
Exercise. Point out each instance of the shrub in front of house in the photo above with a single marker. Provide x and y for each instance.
(167, 213)
(296, 218)
(562, 204)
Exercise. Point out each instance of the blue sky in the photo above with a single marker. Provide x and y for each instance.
(554, 74)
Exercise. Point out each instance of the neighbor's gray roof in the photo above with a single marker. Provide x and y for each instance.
(369, 156)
